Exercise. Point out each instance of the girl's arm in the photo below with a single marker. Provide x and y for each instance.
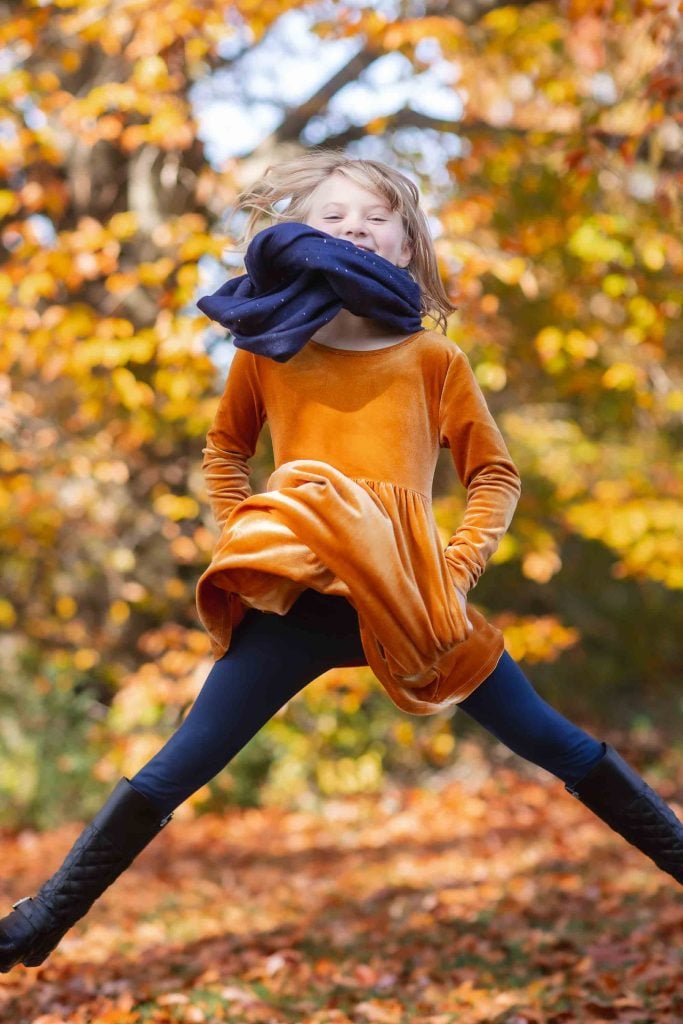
(233, 436)
(483, 464)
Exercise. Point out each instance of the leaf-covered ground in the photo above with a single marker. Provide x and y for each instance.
(487, 897)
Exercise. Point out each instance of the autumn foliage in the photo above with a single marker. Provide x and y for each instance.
(560, 240)
(488, 897)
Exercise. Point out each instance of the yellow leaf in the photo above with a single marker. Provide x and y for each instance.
(491, 376)
(541, 566)
(85, 658)
(151, 73)
(35, 286)
(65, 606)
(653, 254)
(121, 282)
(9, 202)
(5, 287)
(620, 376)
(8, 616)
(548, 342)
(156, 272)
(132, 392)
(119, 611)
(123, 225)
(121, 559)
(70, 60)
(643, 311)
(176, 506)
(614, 285)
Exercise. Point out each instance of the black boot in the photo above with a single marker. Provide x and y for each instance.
(120, 830)
(618, 795)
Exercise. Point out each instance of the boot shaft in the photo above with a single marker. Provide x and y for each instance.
(625, 802)
(120, 830)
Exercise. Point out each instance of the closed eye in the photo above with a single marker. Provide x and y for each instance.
(382, 220)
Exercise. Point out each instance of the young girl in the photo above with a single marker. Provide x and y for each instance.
(339, 561)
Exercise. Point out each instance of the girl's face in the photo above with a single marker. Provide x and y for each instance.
(346, 210)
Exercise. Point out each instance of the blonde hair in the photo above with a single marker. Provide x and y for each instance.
(298, 177)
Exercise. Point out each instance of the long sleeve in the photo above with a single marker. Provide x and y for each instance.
(483, 464)
(233, 436)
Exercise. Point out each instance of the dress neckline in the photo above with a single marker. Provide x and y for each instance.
(366, 351)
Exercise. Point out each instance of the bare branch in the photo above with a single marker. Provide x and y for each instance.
(467, 127)
(298, 117)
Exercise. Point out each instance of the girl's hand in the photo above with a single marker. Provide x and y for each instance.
(463, 604)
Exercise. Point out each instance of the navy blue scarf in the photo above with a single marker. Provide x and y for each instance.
(298, 278)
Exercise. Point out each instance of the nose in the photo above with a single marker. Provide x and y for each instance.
(358, 237)
(354, 228)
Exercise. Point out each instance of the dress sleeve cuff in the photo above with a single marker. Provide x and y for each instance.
(461, 579)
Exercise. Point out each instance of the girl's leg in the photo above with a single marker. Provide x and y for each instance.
(508, 706)
(271, 657)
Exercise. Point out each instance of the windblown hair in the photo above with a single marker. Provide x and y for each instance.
(297, 178)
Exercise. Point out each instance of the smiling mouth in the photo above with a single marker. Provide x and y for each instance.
(364, 247)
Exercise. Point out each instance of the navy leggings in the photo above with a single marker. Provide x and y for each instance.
(272, 657)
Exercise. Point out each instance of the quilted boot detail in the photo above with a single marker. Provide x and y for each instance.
(120, 830)
(625, 802)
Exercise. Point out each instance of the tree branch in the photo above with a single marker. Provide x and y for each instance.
(408, 118)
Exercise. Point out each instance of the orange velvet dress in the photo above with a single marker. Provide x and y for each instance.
(348, 507)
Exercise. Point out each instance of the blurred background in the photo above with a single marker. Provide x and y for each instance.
(547, 142)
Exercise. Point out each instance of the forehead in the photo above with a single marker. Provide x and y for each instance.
(337, 190)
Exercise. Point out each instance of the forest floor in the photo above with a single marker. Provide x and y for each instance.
(483, 897)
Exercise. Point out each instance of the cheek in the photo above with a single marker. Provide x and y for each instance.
(394, 234)
(321, 225)
(397, 242)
